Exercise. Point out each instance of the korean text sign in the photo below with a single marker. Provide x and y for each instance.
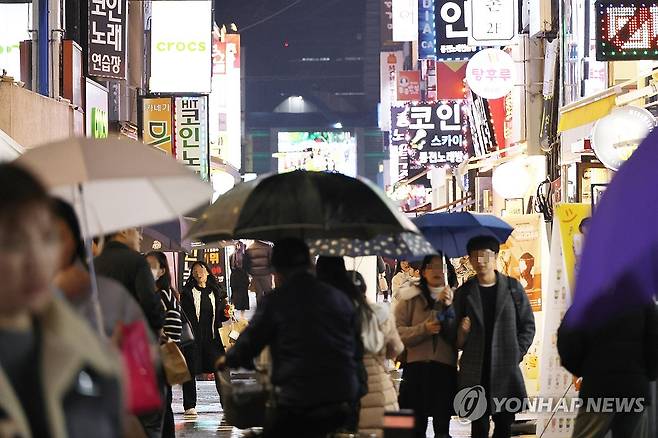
(158, 123)
(192, 134)
(107, 21)
(181, 46)
(493, 22)
(452, 31)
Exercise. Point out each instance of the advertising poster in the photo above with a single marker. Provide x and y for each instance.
(158, 123)
(318, 151)
(181, 40)
(107, 24)
(191, 123)
(573, 220)
(452, 31)
(521, 256)
(408, 82)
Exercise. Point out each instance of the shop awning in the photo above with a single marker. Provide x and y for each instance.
(582, 113)
(9, 149)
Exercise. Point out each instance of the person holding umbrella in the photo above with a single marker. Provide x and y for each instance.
(430, 374)
(491, 309)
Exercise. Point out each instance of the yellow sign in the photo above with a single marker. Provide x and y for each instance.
(158, 123)
(573, 226)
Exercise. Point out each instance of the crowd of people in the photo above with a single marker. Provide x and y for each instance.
(64, 321)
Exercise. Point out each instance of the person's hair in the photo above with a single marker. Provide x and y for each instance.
(212, 280)
(480, 243)
(358, 281)
(424, 288)
(19, 192)
(584, 224)
(398, 266)
(331, 270)
(290, 255)
(415, 265)
(64, 211)
(164, 282)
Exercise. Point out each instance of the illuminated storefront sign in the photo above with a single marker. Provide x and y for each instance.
(405, 20)
(107, 21)
(191, 134)
(626, 30)
(493, 22)
(99, 123)
(490, 73)
(452, 31)
(426, 30)
(158, 123)
(181, 40)
(318, 151)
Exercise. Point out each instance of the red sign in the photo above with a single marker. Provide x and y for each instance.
(409, 86)
(451, 77)
(626, 30)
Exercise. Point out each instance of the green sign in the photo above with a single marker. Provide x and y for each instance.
(99, 123)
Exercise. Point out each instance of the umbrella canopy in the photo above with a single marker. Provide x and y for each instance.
(450, 232)
(302, 204)
(404, 245)
(117, 184)
(618, 266)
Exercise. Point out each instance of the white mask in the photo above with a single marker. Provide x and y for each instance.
(155, 273)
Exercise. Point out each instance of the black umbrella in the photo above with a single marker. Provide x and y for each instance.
(409, 246)
(302, 204)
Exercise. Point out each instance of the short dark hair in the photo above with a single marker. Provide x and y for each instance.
(289, 255)
(64, 211)
(483, 242)
(19, 190)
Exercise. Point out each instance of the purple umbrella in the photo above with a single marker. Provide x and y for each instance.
(618, 266)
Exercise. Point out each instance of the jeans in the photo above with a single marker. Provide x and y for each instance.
(189, 392)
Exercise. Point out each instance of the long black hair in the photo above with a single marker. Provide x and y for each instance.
(212, 280)
(398, 266)
(332, 271)
(164, 282)
(424, 288)
(64, 211)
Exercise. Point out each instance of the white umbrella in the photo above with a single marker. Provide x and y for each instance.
(117, 184)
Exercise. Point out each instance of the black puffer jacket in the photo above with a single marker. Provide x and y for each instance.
(311, 329)
(258, 259)
(618, 359)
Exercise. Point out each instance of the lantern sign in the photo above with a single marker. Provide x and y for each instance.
(452, 31)
(490, 73)
(626, 30)
(492, 22)
(616, 136)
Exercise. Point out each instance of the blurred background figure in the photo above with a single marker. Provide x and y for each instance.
(258, 265)
(239, 280)
(56, 377)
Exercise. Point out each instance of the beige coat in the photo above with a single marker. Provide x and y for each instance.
(411, 314)
(70, 354)
(381, 395)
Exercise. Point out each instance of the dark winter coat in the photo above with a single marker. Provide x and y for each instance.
(311, 329)
(131, 269)
(618, 359)
(513, 333)
(258, 259)
(204, 352)
(239, 289)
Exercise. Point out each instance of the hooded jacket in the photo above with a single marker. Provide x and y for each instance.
(412, 311)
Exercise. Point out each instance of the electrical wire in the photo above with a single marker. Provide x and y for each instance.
(544, 200)
(269, 17)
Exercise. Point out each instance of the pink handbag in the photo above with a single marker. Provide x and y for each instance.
(142, 392)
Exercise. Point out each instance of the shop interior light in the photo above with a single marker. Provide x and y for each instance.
(512, 179)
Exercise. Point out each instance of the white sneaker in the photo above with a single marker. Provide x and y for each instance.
(190, 413)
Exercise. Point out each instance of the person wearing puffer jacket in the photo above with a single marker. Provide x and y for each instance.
(381, 341)
(429, 380)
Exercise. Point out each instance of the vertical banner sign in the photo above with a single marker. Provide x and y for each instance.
(436, 137)
(428, 75)
(426, 30)
(492, 22)
(408, 88)
(405, 20)
(479, 121)
(157, 117)
(107, 24)
(389, 64)
(191, 134)
(451, 31)
(571, 218)
(399, 142)
(386, 20)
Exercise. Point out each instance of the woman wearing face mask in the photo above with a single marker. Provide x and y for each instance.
(430, 374)
(205, 305)
(173, 326)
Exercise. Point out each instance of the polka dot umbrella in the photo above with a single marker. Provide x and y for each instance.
(404, 245)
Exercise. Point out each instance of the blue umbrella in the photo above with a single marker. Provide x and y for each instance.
(619, 263)
(450, 232)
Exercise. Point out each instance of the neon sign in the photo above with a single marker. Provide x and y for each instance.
(626, 30)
